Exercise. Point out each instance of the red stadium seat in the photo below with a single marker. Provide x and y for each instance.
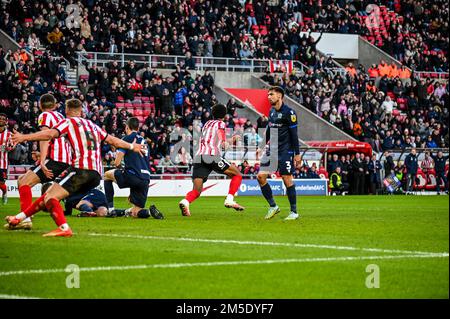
(120, 105)
(138, 112)
(128, 105)
(146, 112)
(20, 170)
(145, 99)
(120, 98)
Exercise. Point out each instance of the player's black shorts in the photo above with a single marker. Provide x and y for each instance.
(284, 164)
(56, 167)
(75, 180)
(205, 164)
(3, 175)
(138, 187)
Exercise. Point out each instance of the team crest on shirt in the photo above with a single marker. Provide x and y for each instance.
(293, 118)
(280, 116)
(40, 121)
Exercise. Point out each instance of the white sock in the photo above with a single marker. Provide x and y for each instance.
(64, 226)
(185, 202)
(28, 220)
(230, 198)
(21, 216)
(110, 209)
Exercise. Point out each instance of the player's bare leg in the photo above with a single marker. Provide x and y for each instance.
(191, 196)
(24, 184)
(54, 194)
(4, 193)
(267, 193)
(236, 179)
(292, 196)
(49, 200)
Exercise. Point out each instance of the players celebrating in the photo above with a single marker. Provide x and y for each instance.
(85, 171)
(208, 158)
(280, 153)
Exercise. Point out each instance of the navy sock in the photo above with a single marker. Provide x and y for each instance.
(109, 192)
(292, 196)
(267, 192)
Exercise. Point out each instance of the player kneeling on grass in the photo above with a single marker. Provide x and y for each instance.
(135, 175)
(85, 138)
(208, 159)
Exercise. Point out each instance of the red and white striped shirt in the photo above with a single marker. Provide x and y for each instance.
(85, 138)
(4, 148)
(59, 149)
(213, 135)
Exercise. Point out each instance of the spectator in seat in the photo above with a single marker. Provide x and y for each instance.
(373, 71)
(388, 105)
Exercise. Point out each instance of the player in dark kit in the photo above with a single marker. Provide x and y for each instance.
(90, 204)
(135, 176)
(281, 152)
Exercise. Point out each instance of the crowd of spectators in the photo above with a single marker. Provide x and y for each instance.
(417, 34)
(393, 114)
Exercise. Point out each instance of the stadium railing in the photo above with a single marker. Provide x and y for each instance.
(432, 75)
(102, 59)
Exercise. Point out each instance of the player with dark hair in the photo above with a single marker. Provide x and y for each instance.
(90, 204)
(85, 171)
(55, 157)
(281, 151)
(5, 147)
(135, 175)
(208, 158)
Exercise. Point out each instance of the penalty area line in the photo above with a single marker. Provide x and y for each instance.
(219, 263)
(2, 296)
(265, 243)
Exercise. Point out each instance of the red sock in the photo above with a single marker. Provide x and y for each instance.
(192, 195)
(234, 185)
(35, 207)
(26, 199)
(55, 209)
(3, 188)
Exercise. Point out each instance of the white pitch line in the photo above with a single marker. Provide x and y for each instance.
(218, 263)
(265, 243)
(16, 297)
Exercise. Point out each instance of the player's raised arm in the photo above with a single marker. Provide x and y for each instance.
(46, 135)
(117, 142)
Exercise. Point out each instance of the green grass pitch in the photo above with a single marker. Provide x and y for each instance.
(220, 253)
